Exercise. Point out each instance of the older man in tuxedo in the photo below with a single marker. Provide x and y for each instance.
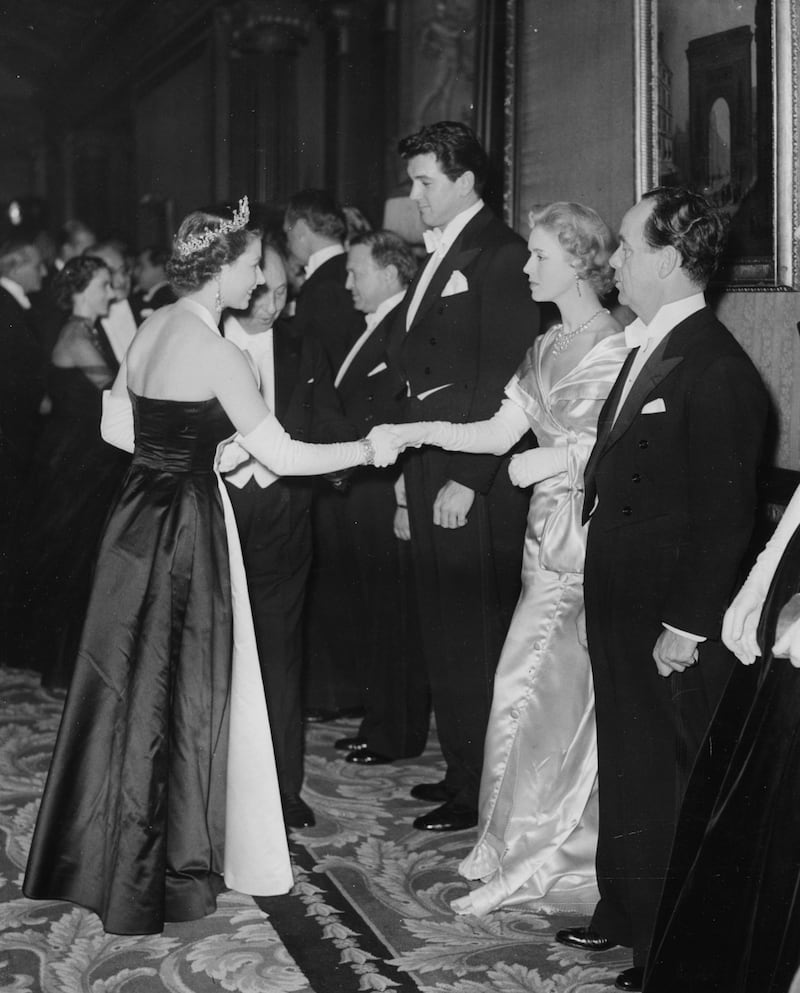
(374, 529)
(671, 491)
(273, 514)
(22, 387)
(457, 337)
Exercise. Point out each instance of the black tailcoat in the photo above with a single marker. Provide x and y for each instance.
(674, 478)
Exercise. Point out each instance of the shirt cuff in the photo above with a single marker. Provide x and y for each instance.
(686, 634)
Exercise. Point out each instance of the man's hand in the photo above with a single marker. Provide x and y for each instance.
(452, 504)
(674, 652)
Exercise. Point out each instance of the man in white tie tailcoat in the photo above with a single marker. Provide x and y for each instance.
(670, 491)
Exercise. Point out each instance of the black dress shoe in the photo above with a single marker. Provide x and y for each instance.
(350, 744)
(432, 792)
(631, 980)
(296, 812)
(449, 817)
(365, 756)
(584, 937)
(318, 715)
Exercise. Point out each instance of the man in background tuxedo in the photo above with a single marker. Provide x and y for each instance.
(152, 286)
(273, 514)
(22, 389)
(671, 490)
(393, 683)
(116, 331)
(456, 339)
(315, 229)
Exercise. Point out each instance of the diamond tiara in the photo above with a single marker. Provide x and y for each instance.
(197, 242)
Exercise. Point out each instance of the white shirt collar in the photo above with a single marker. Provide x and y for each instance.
(669, 316)
(253, 343)
(147, 297)
(383, 308)
(454, 228)
(321, 256)
(16, 291)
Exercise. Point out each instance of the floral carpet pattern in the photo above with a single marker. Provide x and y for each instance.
(369, 910)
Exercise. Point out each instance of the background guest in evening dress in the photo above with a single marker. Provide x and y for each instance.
(22, 390)
(393, 682)
(273, 513)
(74, 482)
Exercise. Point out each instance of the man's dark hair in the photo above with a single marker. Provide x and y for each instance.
(688, 222)
(321, 212)
(455, 146)
(157, 254)
(388, 248)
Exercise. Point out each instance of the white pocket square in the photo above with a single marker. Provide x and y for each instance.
(655, 407)
(310, 380)
(457, 283)
(378, 368)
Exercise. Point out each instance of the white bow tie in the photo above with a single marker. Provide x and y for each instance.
(637, 334)
(433, 240)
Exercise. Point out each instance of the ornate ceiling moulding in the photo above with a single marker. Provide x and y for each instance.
(269, 26)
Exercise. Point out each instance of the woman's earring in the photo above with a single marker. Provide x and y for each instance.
(218, 298)
(578, 283)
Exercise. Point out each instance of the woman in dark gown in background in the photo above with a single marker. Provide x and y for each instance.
(162, 789)
(75, 478)
(729, 920)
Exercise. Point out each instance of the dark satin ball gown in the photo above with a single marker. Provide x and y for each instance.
(132, 823)
(729, 920)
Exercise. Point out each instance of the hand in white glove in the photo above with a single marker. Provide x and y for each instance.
(788, 645)
(413, 435)
(387, 444)
(740, 623)
(231, 455)
(537, 464)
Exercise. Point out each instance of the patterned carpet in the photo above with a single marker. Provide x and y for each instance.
(369, 910)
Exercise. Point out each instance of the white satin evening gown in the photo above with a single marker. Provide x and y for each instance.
(537, 829)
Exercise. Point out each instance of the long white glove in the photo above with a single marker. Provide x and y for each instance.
(284, 456)
(492, 437)
(741, 618)
(537, 464)
(116, 424)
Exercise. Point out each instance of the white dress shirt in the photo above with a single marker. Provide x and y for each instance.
(16, 291)
(373, 320)
(443, 242)
(259, 348)
(320, 257)
(120, 327)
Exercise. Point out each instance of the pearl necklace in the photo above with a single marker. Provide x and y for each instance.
(563, 338)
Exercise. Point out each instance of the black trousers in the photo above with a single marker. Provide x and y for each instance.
(468, 582)
(649, 728)
(277, 558)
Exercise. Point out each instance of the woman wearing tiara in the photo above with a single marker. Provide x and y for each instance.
(162, 789)
(537, 829)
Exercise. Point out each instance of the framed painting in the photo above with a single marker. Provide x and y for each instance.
(717, 111)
